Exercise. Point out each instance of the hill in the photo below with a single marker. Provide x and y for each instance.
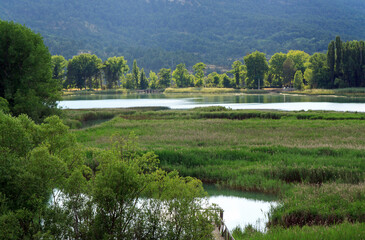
(161, 33)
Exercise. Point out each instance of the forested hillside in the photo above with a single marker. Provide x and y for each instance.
(163, 33)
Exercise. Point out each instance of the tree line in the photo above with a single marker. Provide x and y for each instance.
(342, 66)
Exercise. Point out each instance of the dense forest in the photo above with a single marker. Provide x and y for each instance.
(343, 66)
(162, 33)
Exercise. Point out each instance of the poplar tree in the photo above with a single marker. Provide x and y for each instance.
(135, 74)
(339, 57)
(331, 61)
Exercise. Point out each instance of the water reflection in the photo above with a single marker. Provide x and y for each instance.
(263, 101)
(240, 208)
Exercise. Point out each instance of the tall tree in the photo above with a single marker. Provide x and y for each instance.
(298, 80)
(199, 74)
(276, 67)
(339, 56)
(135, 73)
(300, 59)
(257, 67)
(181, 76)
(320, 74)
(331, 60)
(164, 78)
(26, 72)
(236, 70)
(83, 70)
(226, 82)
(153, 80)
(113, 68)
(143, 83)
(288, 72)
(59, 64)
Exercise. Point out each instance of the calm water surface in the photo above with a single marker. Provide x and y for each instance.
(263, 101)
(242, 208)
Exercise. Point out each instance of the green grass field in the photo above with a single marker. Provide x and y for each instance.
(315, 161)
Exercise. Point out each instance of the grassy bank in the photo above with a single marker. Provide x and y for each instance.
(334, 232)
(350, 92)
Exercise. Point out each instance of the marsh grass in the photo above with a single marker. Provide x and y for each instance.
(335, 232)
(325, 204)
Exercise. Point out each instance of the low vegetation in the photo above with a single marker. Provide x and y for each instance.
(313, 160)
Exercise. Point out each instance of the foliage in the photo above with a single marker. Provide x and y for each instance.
(335, 232)
(26, 76)
(52, 188)
(83, 71)
(164, 78)
(59, 65)
(298, 80)
(181, 76)
(113, 68)
(190, 32)
(257, 67)
(199, 74)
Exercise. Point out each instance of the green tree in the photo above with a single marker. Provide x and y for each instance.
(83, 71)
(276, 68)
(143, 83)
(308, 76)
(199, 74)
(59, 66)
(339, 57)
(181, 76)
(25, 73)
(237, 70)
(300, 59)
(135, 74)
(298, 80)
(226, 82)
(113, 68)
(257, 67)
(320, 75)
(213, 80)
(153, 81)
(288, 72)
(331, 60)
(129, 81)
(164, 78)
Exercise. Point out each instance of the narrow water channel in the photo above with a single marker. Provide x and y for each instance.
(242, 208)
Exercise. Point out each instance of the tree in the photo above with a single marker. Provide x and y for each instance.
(164, 78)
(331, 60)
(236, 70)
(129, 81)
(276, 68)
(83, 71)
(181, 76)
(143, 84)
(25, 73)
(339, 57)
(113, 68)
(257, 67)
(213, 80)
(288, 72)
(300, 59)
(59, 66)
(320, 75)
(153, 81)
(199, 74)
(135, 74)
(226, 82)
(298, 80)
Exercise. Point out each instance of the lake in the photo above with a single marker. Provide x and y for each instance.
(283, 102)
(242, 208)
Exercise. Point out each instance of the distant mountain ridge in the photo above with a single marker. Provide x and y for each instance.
(161, 33)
